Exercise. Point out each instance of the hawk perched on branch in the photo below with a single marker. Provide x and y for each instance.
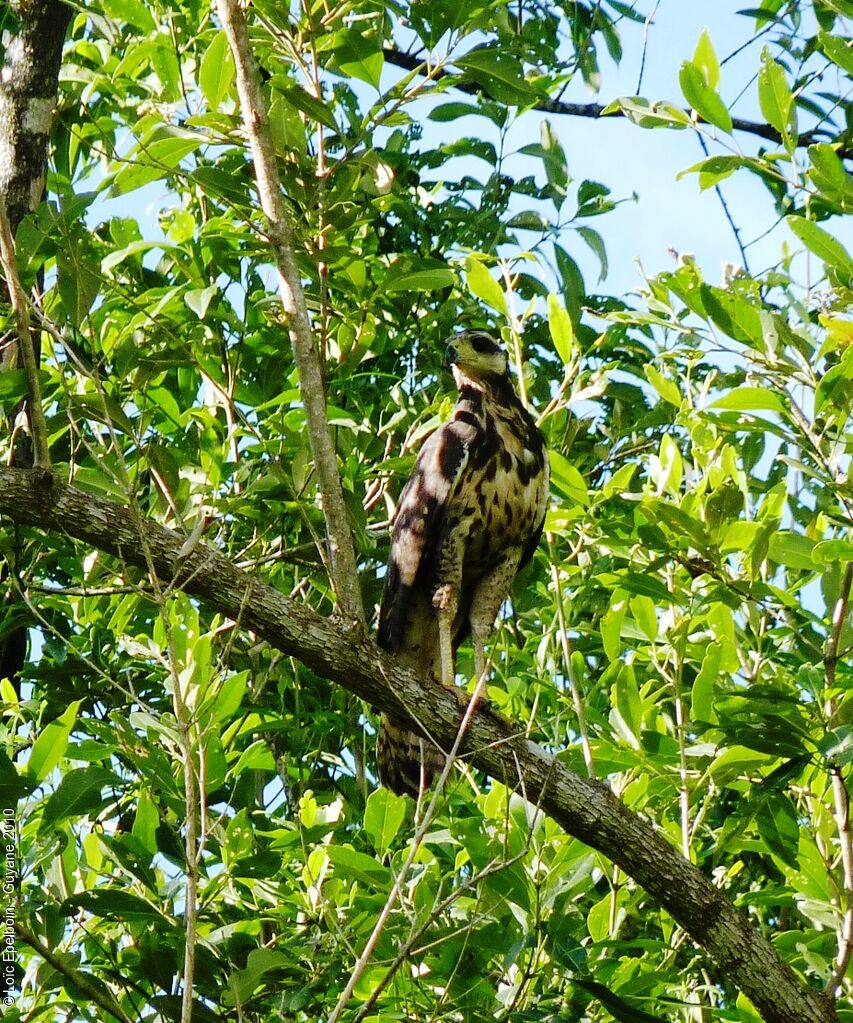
(468, 519)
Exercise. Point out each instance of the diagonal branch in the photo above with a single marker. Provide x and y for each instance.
(94, 990)
(412, 62)
(586, 809)
(256, 121)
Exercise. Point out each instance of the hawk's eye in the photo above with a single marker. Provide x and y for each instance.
(482, 343)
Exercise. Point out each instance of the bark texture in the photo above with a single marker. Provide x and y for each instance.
(586, 809)
(256, 121)
(33, 37)
(33, 33)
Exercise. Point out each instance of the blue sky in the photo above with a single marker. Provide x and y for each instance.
(669, 214)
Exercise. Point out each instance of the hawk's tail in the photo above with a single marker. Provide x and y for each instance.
(406, 762)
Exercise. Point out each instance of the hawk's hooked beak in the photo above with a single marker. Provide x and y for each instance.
(451, 355)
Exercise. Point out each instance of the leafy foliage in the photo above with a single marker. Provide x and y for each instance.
(684, 633)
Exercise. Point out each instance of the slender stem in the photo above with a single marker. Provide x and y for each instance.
(191, 844)
(22, 323)
(399, 881)
(727, 211)
(465, 885)
(840, 795)
(841, 799)
(577, 699)
(515, 331)
(98, 993)
(256, 121)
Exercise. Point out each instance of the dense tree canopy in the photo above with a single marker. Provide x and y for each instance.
(187, 767)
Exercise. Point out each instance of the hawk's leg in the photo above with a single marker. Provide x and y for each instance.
(446, 602)
(491, 593)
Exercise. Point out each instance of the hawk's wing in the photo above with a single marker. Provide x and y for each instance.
(418, 523)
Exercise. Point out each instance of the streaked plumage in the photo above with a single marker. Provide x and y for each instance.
(469, 518)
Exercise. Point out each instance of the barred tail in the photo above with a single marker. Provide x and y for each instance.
(406, 762)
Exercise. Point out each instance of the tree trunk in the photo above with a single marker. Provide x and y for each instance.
(32, 40)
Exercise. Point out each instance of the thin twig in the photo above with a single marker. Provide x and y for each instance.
(577, 699)
(420, 834)
(256, 121)
(841, 797)
(646, 26)
(411, 62)
(408, 945)
(22, 323)
(726, 211)
(98, 992)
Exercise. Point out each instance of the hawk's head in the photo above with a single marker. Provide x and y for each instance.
(476, 355)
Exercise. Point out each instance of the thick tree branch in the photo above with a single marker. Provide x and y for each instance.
(28, 78)
(256, 121)
(585, 808)
(411, 62)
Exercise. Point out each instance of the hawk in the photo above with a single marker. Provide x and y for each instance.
(468, 519)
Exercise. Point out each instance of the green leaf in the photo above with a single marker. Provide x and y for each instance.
(830, 177)
(750, 399)
(775, 98)
(219, 184)
(111, 904)
(13, 786)
(500, 74)
(303, 100)
(566, 478)
(792, 550)
(778, 826)
(453, 111)
(13, 384)
(78, 793)
(714, 169)
(199, 299)
(704, 100)
(350, 863)
(554, 160)
(151, 160)
(383, 815)
(561, 329)
(832, 551)
(641, 112)
(244, 983)
(706, 60)
(626, 698)
(49, 747)
(359, 54)
(733, 314)
(838, 49)
(409, 274)
(101, 408)
(216, 71)
(131, 12)
(702, 694)
(621, 1010)
(666, 388)
(646, 585)
(643, 613)
(594, 240)
(821, 243)
(484, 286)
(610, 629)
